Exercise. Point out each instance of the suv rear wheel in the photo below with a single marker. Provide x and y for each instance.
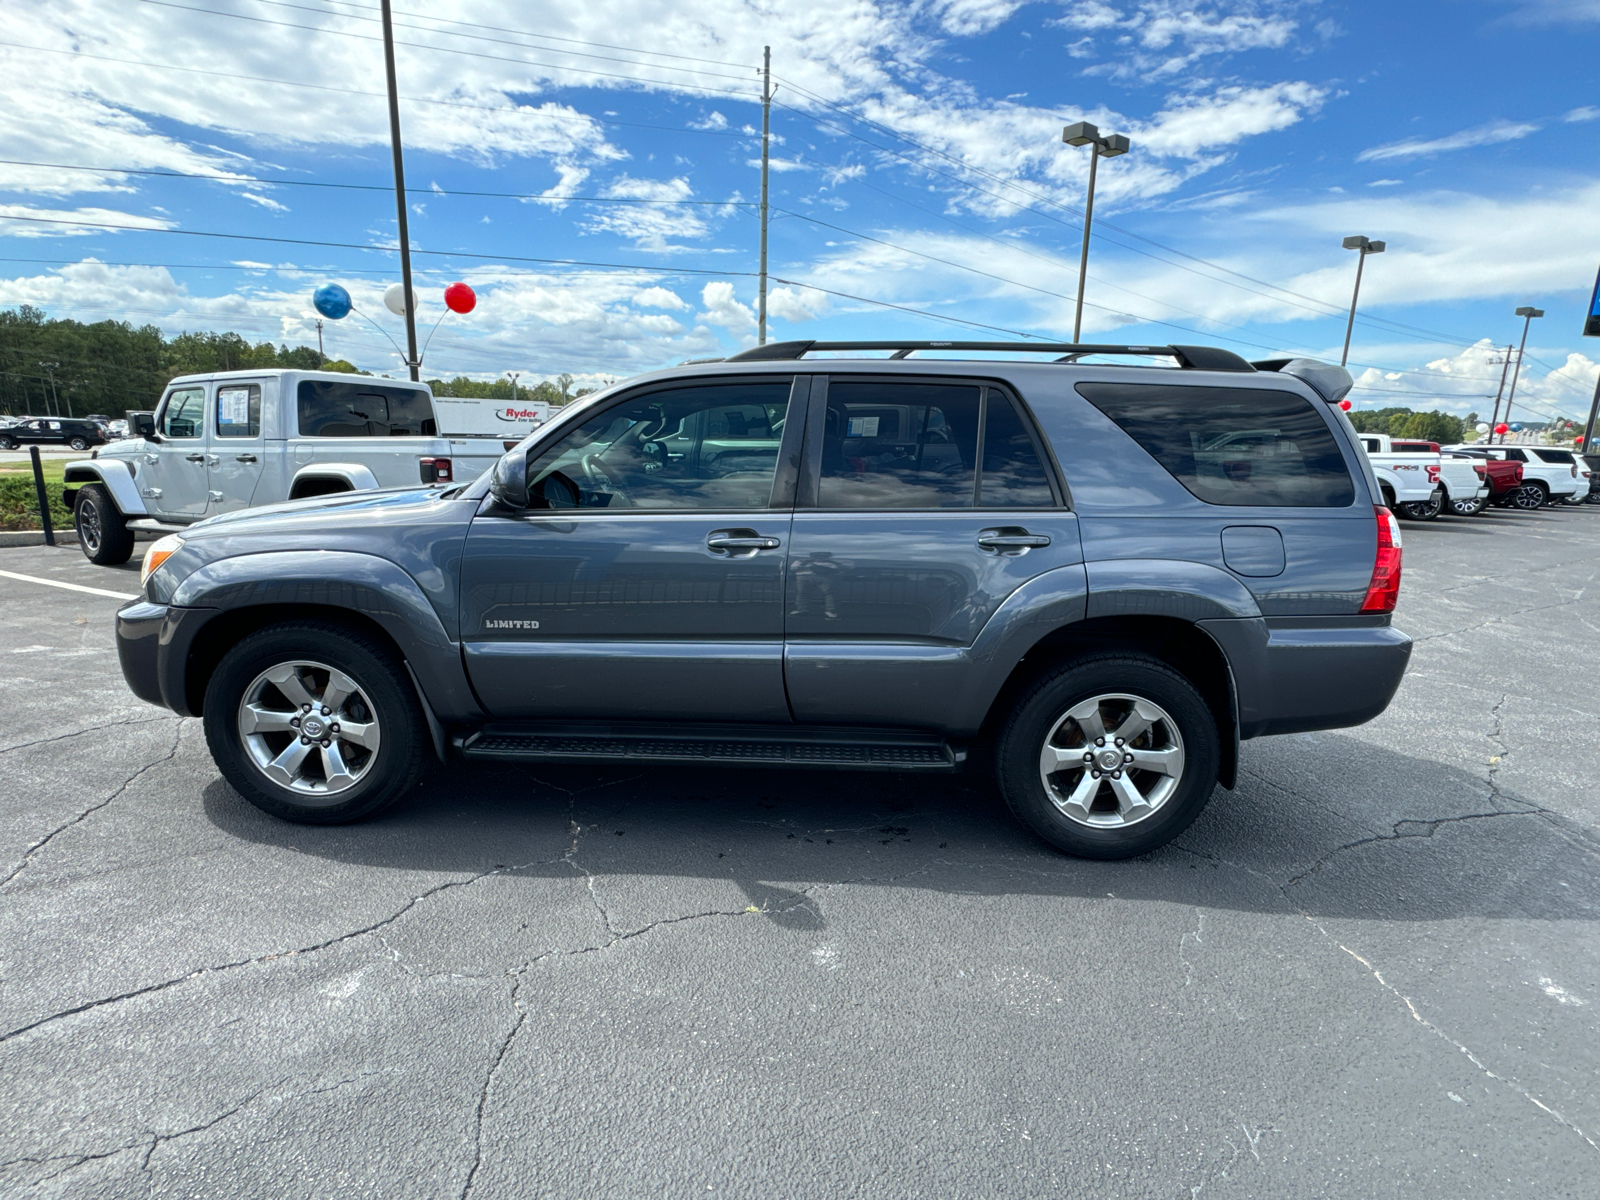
(314, 723)
(1531, 496)
(1109, 757)
(103, 532)
(79, 443)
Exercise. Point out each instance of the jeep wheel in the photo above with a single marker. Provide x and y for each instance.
(1110, 757)
(79, 444)
(103, 532)
(314, 723)
(1469, 507)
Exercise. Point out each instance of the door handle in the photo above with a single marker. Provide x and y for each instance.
(1011, 541)
(244, 457)
(734, 541)
(195, 457)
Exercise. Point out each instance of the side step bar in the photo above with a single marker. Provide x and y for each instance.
(724, 745)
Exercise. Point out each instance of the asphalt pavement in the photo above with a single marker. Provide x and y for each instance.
(1370, 971)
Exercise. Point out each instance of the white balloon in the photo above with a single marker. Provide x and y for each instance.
(1483, 427)
(394, 299)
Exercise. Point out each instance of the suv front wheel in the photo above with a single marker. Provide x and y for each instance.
(315, 723)
(1109, 757)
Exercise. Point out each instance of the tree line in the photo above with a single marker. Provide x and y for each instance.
(1422, 426)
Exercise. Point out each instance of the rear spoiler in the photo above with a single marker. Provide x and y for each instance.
(1328, 381)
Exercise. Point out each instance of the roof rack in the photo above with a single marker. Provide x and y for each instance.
(1194, 358)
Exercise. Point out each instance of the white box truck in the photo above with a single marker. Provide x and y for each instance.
(463, 416)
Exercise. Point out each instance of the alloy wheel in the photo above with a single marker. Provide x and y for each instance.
(1112, 761)
(89, 528)
(309, 728)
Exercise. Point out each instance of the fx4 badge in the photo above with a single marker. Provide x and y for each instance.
(511, 624)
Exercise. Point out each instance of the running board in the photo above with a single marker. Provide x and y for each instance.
(715, 745)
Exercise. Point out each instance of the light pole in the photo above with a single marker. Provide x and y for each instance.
(50, 369)
(322, 359)
(412, 363)
(1527, 314)
(766, 137)
(1366, 247)
(1109, 146)
(513, 375)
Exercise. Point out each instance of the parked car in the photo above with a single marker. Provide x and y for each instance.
(1592, 461)
(1504, 478)
(1406, 468)
(77, 433)
(1557, 457)
(240, 439)
(1547, 479)
(861, 563)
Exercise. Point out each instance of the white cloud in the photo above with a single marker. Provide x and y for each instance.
(1227, 116)
(722, 308)
(659, 297)
(796, 304)
(24, 220)
(1587, 113)
(1385, 183)
(712, 120)
(654, 226)
(1466, 382)
(272, 205)
(969, 18)
(1157, 39)
(1482, 135)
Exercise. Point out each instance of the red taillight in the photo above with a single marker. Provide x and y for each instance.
(1483, 471)
(1433, 474)
(1384, 590)
(436, 470)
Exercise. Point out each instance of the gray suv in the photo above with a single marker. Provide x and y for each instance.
(1098, 573)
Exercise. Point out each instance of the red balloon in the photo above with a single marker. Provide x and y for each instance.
(1345, 404)
(1502, 428)
(458, 297)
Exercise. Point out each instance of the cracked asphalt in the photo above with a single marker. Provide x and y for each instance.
(1370, 971)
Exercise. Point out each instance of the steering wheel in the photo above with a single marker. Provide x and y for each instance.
(558, 491)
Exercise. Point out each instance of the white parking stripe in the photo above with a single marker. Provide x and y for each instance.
(73, 587)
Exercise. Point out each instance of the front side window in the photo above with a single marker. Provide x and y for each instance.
(1232, 446)
(364, 409)
(702, 446)
(185, 413)
(239, 410)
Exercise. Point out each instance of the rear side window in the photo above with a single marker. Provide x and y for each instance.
(1013, 475)
(1516, 455)
(1233, 446)
(363, 410)
(1564, 457)
(239, 410)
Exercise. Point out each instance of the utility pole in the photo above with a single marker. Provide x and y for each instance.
(400, 195)
(1358, 242)
(1588, 428)
(766, 139)
(1527, 315)
(322, 359)
(53, 401)
(1505, 365)
(514, 375)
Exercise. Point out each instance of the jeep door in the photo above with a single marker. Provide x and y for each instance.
(645, 581)
(172, 478)
(924, 503)
(233, 463)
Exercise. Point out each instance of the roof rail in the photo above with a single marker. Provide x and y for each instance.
(1194, 358)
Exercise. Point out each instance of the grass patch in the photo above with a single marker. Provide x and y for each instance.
(19, 502)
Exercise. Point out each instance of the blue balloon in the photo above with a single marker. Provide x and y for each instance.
(1516, 427)
(332, 301)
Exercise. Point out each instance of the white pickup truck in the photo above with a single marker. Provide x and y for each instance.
(1419, 483)
(239, 439)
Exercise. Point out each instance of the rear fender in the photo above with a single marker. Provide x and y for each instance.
(328, 581)
(117, 477)
(354, 476)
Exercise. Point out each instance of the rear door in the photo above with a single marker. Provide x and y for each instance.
(234, 459)
(924, 503)
(646, 582)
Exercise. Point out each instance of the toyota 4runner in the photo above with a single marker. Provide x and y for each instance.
(1101, 574)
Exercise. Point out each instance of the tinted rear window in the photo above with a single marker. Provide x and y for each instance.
(1234, 446)
(1564, 457)
(363, 410)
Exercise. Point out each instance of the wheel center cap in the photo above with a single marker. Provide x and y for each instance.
(1109, 759)
(311, 727)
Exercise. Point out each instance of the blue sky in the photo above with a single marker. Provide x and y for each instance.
(921, 180)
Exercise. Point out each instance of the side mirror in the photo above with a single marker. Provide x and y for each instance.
(509, 484)
(142, 424)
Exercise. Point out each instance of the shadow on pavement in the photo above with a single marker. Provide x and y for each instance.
(1365, 833)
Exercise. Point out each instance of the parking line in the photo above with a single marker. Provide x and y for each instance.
(75, 587)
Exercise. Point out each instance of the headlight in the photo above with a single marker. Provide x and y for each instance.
(160, 550)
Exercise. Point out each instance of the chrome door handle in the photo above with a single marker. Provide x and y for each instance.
(152, 459)
(1017, 541)
(729, 542)
(195, 457)
(244, 458)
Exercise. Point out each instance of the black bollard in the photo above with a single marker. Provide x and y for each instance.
(44, 500)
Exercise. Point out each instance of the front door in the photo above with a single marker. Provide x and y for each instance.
(233, 466)
(645, 581)
(173, 477)
(903, 548)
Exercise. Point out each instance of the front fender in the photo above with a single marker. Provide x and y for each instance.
(363, 584)
(116, 475)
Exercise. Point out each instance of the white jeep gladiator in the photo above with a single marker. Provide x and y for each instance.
(242, 439)
(1419, 482)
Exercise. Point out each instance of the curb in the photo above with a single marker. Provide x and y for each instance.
(64, 537)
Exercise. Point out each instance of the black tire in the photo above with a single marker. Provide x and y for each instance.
(1044, 708)
(103, 533)
(79, 444)
(7, 443)
(386, 698)
(1469, 507)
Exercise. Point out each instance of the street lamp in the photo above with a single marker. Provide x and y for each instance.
(1366, 247)
(1109, 146)
(1527, 314)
